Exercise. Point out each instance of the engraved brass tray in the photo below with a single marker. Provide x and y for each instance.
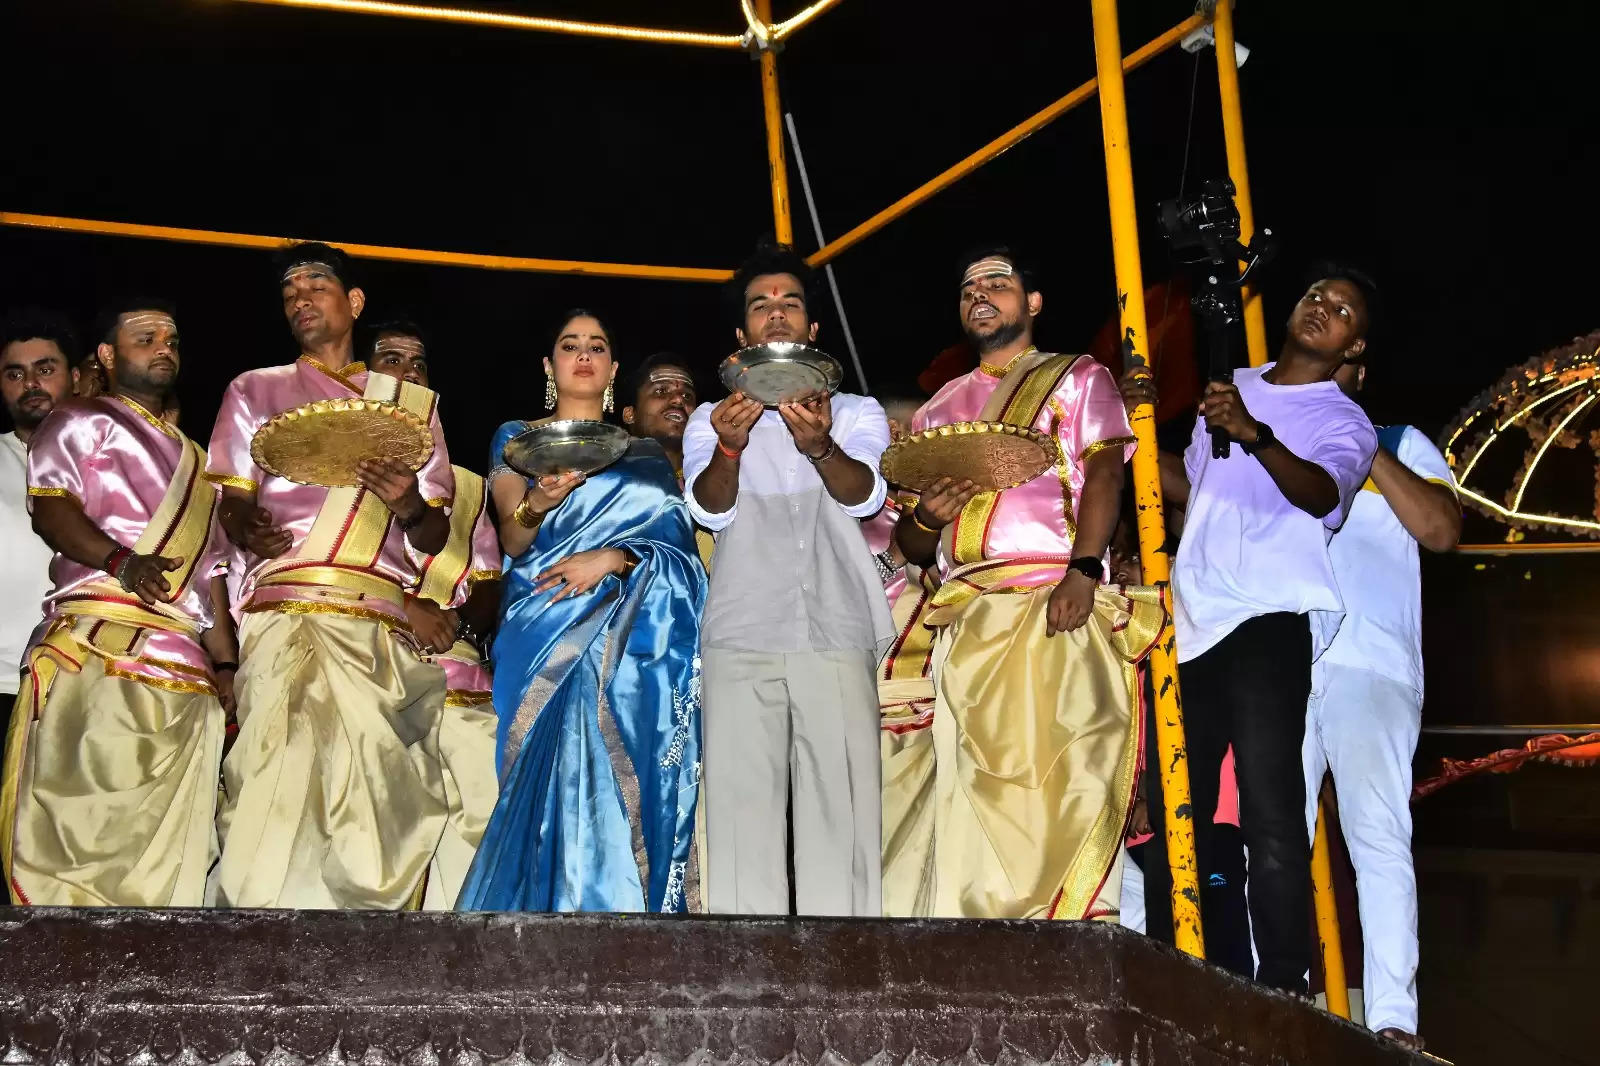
(322, 442)
(780, 371)
(992, 454)
(561, 447)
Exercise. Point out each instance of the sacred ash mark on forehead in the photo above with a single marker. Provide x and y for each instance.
(669, 374)
(150, 320)
(307, 270)
(992, 267)
(400, 345)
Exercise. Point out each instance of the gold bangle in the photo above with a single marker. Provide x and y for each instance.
(918, 521)
(527, 517)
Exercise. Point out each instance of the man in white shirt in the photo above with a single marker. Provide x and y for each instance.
(1252, 565)
(793, 626)
(1365, 712)
(35, 374)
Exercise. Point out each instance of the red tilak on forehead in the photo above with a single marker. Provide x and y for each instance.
(775, 293)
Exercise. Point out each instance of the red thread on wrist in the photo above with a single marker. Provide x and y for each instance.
(115, 560)
(725, 450)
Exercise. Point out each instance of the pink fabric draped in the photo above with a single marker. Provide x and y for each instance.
(1037, 518)
(116, 460)
(258, 395)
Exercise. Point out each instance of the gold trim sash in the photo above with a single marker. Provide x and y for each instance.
(443, 573)
(1037, 375)
(179, 528)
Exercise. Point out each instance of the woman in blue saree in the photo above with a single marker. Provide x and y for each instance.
(596, 671)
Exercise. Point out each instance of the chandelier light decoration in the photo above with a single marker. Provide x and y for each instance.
(1547, 407)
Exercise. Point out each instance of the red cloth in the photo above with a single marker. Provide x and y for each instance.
(1171, 351)
(948, 365)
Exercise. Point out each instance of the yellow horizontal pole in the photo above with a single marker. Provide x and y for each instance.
(1010, 139)
(1577, 547)
(366, 251)
(467, 16)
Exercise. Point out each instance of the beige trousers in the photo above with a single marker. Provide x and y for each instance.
(798, 728)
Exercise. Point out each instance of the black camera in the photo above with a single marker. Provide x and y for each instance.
(1204, 227)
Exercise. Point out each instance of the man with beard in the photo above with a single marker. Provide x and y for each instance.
(35, 375)
(1035, 720)
(663, 396)
(334, 797)
(111, 766)
(452, 610)
(1252, 567)
(793, 626)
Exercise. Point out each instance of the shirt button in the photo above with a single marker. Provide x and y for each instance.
(805, 588)
(800, 543)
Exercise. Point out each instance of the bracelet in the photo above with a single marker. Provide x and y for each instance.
(825, 456)
(526, 517)
(725, 450)
(920, 523)
(114, 560)
(629, 562)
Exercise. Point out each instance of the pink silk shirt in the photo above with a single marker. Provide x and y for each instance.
(463, 673)
(116, 460)
(256, 396)
(1085, 414)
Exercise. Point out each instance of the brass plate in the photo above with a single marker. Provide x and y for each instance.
(321, 443)
(780, 371)
(993, 454)
(561, 447)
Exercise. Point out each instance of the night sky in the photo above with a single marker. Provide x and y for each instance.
(1453, 160)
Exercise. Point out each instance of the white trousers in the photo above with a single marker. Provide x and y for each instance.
(1364, 727)
(1133, 892)
(798, 728)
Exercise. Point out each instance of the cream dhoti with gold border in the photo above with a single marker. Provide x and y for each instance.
(334, 794)
(113, 780)
(111, 763)
(1034, 738)
(1036, 751)
(334, 797)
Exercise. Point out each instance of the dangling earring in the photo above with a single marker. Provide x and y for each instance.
(608, 402)
(550, 394)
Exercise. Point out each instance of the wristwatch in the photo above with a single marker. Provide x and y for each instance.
(465, 631)
(1089, 567)
(1264, 439)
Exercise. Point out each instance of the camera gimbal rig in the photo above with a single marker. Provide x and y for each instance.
(1204, 234)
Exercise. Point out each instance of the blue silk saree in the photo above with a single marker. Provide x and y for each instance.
(598, 698)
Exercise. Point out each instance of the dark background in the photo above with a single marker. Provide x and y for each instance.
(1449, 148)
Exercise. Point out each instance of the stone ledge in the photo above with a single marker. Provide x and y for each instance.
(279, 988)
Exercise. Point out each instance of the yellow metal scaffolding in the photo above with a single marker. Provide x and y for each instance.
(762, 35)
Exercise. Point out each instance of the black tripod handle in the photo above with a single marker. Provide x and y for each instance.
(1220, 443)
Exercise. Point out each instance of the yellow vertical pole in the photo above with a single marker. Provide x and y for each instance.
(1255, 323)
(777, 165)
(1173, 759)
(1328, 938)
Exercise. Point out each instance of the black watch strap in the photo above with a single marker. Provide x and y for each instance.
(1264, 439)
(1089, 567)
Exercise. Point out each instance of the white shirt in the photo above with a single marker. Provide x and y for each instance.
(1246, 550)
(24, 564)
(793, 572)
(1380, 577)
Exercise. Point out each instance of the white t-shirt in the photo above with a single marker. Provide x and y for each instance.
(1246, 550)
(24, 563)
(1380, 577)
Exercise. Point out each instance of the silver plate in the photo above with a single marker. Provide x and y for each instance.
(561, 447)
(780, 371)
